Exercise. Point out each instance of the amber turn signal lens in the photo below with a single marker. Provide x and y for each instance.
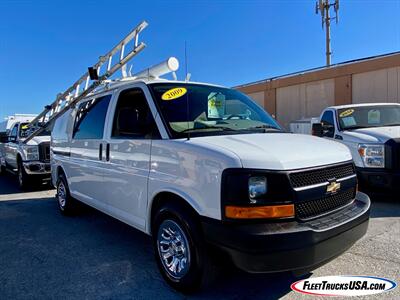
(259, 212)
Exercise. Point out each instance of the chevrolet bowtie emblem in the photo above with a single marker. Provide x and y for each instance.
(333, 187)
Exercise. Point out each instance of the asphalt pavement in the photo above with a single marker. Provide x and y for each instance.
(44, 255)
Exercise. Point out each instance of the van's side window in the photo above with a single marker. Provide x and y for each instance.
(328, 121)
(133, 118)
(90, 118)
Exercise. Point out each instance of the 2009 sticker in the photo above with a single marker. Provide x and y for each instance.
(174, 93)
(346, 113)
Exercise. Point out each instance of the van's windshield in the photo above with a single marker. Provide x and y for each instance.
(369, 116)
(209, 110)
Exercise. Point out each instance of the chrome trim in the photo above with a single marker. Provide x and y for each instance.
(313, 186)
(42, 167)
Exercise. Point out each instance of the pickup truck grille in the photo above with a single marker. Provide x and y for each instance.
(309, 209)
(44, 151)
(321, 175)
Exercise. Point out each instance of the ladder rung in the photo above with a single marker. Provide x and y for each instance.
(74, 93)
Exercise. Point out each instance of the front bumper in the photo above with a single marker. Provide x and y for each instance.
(378, 179)
(37, 168)
(291, 246)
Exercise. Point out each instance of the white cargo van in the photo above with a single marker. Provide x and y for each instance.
(201, 167)
(372, 133)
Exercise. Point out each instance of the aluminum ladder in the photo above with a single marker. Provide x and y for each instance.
(89, 81)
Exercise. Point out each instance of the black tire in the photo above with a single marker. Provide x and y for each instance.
(24, 181)
(199, 269)
(66, 203)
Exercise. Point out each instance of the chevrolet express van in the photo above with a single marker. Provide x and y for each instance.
(203, 169)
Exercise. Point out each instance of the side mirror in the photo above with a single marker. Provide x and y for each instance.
(317, 129)
(12, 139)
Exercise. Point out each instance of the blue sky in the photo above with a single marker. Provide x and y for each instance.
(46, 45)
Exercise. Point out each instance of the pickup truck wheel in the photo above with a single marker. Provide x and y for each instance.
(23, 178)
(66, 203)
(179, 249)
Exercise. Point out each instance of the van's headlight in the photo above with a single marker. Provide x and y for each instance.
(257, 186)
(31, 152)
(372, 155)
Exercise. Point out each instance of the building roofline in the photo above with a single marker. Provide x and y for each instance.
(303, 72)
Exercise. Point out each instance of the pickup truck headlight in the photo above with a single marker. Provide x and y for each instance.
(31, 152)
(372, 155)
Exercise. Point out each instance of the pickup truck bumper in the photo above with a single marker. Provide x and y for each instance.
(291, 246)
(37, 168)
(378, 179)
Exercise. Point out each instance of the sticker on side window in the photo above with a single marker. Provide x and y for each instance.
(346, 113)
(174, 93)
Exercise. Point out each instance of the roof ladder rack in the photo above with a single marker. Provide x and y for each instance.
(88, 81)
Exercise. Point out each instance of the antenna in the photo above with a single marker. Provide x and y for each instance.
(323, 6)
(187, 94)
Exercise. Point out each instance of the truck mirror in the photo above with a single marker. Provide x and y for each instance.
(317, 129)
(12, 139)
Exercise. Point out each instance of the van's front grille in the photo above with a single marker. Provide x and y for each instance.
(321, 175)
(310, 209)
(44, 151)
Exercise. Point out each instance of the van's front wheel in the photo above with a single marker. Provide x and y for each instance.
(179, 249)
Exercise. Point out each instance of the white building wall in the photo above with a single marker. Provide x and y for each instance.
(377, 86)
(303, 100)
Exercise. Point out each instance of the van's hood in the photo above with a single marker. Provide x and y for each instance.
(39, 139)
(279, 151)
(372, 135)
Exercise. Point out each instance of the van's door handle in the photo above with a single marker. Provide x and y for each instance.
(101, 152)
(108, 152)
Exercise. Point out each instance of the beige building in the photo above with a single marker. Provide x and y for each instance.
(305, 94)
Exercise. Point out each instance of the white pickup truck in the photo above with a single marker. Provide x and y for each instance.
(204, 170)
(372, 133)
(31, 160)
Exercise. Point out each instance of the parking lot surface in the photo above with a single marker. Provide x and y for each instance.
(92, 256)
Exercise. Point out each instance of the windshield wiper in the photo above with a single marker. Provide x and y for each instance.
(393, 124)
(355, 127)
(208, 127)
(264, 126)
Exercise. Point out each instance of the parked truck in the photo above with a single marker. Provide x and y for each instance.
(31, 160)
(372, 133)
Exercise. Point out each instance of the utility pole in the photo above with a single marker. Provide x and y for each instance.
(323, 6)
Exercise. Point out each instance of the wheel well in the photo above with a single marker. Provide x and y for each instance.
(60, 171)
(19, 159)
(167, 197)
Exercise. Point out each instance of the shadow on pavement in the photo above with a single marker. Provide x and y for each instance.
(91, 255)
(9, 185)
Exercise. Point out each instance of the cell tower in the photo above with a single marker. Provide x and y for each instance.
(323, 6)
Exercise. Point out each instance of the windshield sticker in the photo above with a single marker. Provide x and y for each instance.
(349, 121)
(174, 93)
(346, 113)
(216, 105)
(25, 127)
(374, 116)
